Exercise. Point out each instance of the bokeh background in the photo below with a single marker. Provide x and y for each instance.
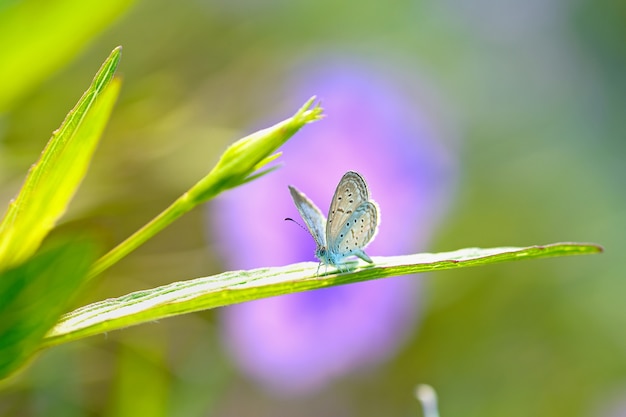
(481, 123)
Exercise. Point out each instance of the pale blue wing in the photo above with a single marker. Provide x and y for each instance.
(351, 192)
(355, 233)
(311, 215)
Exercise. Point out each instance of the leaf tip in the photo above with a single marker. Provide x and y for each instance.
(311, 114)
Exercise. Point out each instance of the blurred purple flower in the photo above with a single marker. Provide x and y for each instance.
(300, 342)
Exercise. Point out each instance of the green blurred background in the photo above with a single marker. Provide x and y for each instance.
(536, 92)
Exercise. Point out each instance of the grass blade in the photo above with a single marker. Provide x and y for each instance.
(53, 180)
(239, 286)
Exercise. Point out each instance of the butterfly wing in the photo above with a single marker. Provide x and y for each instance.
(311, 215)
(351, 192)
(356, 232)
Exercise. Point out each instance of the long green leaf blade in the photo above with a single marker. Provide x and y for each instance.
(239, 286)
(53, 180)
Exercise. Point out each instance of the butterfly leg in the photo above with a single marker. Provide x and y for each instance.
(361, 254)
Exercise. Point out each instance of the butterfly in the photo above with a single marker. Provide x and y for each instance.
(352, 221)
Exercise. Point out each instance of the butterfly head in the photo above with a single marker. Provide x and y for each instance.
(322, 254)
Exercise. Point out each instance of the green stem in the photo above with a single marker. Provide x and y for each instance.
(179, 207)
(239, 164)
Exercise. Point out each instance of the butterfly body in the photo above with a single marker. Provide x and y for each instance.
(352, 221)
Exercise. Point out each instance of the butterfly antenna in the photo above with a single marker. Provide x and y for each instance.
(292, 220)
(309, 232)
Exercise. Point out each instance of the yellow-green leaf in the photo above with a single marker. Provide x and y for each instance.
(39, 37)
(53, 180)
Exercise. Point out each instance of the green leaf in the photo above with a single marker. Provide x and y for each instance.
(53, 180)
(39, 37)
(33, 296)
(238, 164)
(239, 286)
